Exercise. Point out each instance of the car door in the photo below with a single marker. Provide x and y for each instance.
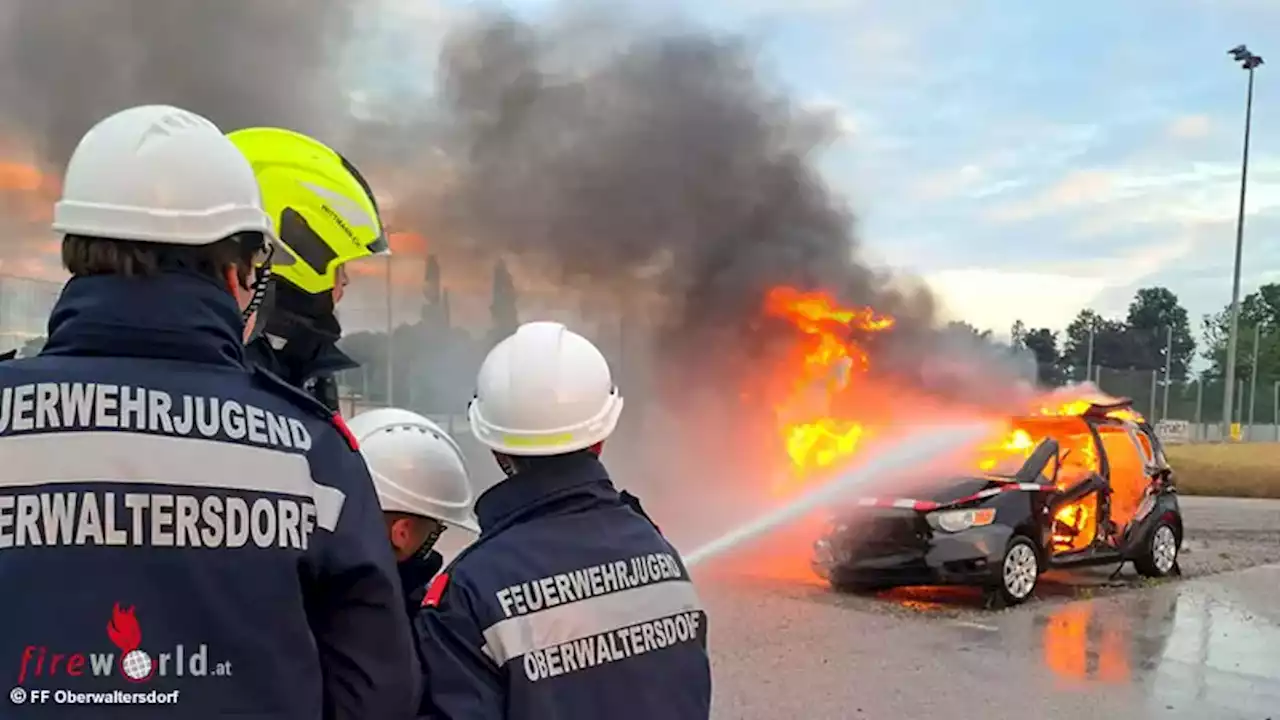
(1158, 473)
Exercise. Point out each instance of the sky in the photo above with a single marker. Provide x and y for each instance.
(1030, 159)
(1027, 159)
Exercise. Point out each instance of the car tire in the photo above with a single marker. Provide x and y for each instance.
(1160, 556)
(1019, 572)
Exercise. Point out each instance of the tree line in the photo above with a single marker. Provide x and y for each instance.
(1156, 333)
(433, 360)
(1131, 355)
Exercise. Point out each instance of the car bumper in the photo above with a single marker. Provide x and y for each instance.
(971, 557)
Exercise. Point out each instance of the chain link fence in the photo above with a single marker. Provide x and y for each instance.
(1199, 402)
(25, 304)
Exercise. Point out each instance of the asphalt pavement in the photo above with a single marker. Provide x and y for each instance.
(1090, 646)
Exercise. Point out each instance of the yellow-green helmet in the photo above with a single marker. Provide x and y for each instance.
(324, 211)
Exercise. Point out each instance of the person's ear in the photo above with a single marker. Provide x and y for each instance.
(232, 281)
(340, 282)
(401, 533)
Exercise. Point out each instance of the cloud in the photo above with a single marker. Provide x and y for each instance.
(1188, 193)
(995, 298)
(952, 182)
(1050, 294)
(1077, 188)
(1189, 127)
(1157, 194)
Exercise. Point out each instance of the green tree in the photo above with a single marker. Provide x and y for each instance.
(1018, 334)
(1152, 313)
(1043, 344)
(1257, 309)
(435, 311)
(431, 287)
(1111, 345)
(963, 328)
(503, 308)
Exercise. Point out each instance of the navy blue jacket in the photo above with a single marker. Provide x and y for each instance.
(180, 523)
(316, 375)
(415, 574)
(569, 605)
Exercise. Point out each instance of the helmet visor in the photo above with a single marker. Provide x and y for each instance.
(379, 246)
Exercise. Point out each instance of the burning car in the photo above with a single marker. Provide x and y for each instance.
(1090, 486)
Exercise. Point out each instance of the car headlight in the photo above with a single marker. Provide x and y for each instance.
(958, 520)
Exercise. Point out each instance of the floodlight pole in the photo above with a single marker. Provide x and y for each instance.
(1249, 62)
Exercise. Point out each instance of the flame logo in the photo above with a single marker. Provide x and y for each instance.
(135, 665)
(124, 630)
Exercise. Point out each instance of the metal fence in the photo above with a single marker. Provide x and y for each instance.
(24, 309)
(25, 304)
(1256, 405)
(1199, 403)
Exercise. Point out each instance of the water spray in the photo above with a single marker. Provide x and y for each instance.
(917, 449)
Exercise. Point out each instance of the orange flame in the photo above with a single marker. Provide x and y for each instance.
(823, 365)
(1081, 406)
(26, 193)
(1018, 444)
(1075, 526)
(18, 177)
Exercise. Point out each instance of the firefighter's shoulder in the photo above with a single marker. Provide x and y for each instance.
(276, 385)
(435, 591)
(455, 574)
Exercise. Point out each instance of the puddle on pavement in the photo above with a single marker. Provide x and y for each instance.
(1185, 645)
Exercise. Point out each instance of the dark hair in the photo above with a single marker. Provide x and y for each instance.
(83, 255)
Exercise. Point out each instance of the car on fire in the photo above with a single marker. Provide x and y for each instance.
(1088, 488)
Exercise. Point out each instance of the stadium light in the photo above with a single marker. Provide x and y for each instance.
(1249, 62)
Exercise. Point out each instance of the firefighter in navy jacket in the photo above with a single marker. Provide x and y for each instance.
(178, 522)
(423, 486)
(570, 604)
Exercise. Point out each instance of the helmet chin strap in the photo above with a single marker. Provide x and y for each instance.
(258, 294)
(429, 542)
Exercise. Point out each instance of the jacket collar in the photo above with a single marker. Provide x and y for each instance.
(171, 316)
(301, 359)
(576, 475)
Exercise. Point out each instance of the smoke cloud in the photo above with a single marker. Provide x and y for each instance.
(660, 164)
(65, 64)
(652, 164)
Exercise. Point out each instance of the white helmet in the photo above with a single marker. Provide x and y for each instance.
(417, 468)
(544, 391)
(157, 173)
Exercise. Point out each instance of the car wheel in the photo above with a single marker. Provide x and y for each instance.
(1161, 556)
(1019, 571)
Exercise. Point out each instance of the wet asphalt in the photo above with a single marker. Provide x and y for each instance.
(1205, 647)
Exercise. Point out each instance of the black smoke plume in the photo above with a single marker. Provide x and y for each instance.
(668, 167)
(65, 64)
(651, 161)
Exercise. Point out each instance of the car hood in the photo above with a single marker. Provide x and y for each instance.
(938, 494)
(955, 489)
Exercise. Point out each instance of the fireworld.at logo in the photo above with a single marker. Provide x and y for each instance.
(134, 664)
